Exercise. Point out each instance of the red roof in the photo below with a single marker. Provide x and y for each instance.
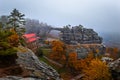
(31, 40)
(29, 35)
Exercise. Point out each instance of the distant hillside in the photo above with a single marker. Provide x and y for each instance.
(54, 33)
(111, 39)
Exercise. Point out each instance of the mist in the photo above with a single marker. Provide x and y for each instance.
(101, 15)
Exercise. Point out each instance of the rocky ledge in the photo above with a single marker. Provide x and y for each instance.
(38, 69)
(115, 69)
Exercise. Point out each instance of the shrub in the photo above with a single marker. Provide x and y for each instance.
(39, 52)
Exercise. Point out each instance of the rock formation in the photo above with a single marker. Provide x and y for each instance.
(115, 69)
(38, 69)
(83, 51)
(78, 34)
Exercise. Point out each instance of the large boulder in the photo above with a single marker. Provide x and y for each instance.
(39, 69)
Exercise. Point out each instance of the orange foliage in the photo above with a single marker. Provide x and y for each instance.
(72, 59)
(113, 52)
(14, 38)
(79, 64)
(97, 70)
(58, 51)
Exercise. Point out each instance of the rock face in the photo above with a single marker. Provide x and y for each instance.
(78, 34)
(115, 65)
(38, 68)
(82, 52)
(115, 69)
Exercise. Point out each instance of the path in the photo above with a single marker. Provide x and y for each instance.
(54, 62)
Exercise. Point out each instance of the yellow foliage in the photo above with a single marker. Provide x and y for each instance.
(58, 50)
(13, 40)
(72, 59)
(79, 64)
(22, 49)
(97, 70)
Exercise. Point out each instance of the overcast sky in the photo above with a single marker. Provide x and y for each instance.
(101, 15)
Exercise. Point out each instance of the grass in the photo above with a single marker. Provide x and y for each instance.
(43, 59)
(49, 63)
(46, 51)
(21, 49)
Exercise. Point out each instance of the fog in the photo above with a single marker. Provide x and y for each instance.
(101, 15)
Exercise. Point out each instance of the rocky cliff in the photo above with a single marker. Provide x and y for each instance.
(78, 34)
(38, 69)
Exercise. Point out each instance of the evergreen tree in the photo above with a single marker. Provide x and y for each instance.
(16, 19)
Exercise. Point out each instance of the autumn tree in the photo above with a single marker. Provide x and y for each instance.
(7, 50)
(13, 39)
(97, 70)
(113, 52)
(6, 46)
(58, 50)
(72, 59)
(79, 64)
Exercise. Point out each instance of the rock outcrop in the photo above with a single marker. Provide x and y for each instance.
(83, 51)
(115, 65)
(78, 34)
(115, 69)
(38, 69)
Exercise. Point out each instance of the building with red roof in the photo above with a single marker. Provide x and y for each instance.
(31, 41)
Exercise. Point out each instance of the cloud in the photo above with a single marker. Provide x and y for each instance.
(102, 15)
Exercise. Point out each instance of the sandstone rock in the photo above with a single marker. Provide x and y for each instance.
(115, 65)
(80, 34)
(38, 68)
(115, 69)
(82, 52)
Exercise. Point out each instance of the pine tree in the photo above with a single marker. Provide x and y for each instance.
(16, 19)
